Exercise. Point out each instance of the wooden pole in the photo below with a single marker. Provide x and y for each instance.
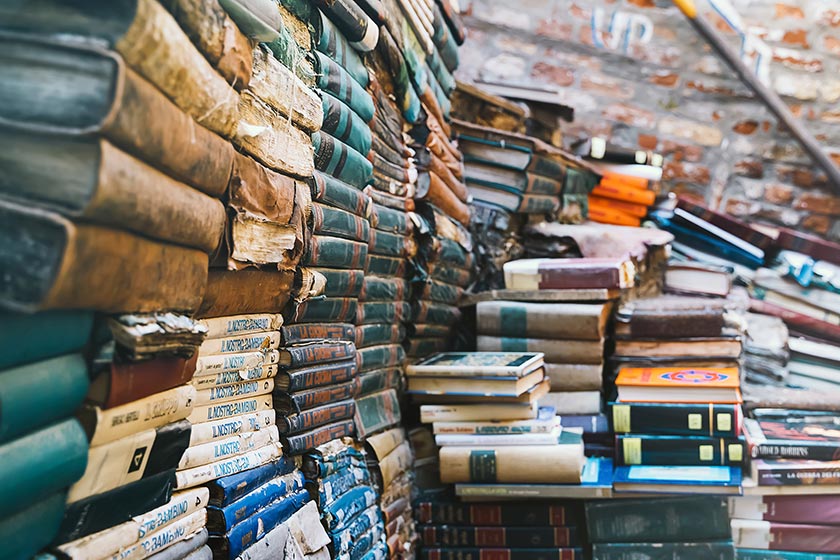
(769, 97)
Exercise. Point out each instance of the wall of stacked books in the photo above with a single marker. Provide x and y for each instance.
(274, 284)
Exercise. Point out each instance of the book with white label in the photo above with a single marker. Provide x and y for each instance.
(226, 378)
(477, 412)
(201, 475)
(237, 391)
(219, 411)
(256, 342)
(479, 440)
(545, 422)
(221, 327)
(213, 451)
(226, 427)
(219, 363)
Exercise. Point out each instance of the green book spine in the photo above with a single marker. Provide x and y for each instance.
(383, 312)
(342, 283)
(287, 51)
(548, 167)
(379, 380)
(23, 335)
(40, 393)
(339, 223)
(420, 347)
(329, 190)
(423, 330)
(336, 80)
(333, 43)
(377, 412)
(452, 253)
(442, 292)
(332, 252)
(386, 266)
(384, 289)
(388, 219)
(438, 314)
(334, 157)
(321, 310)
(538, 184)
(691, 519)
(538, 204)
(343, 123)
(32, 528)
(391, 244)
(722, 550)
(42, 463)
(382, 356)
(371, 335)
(452, 275)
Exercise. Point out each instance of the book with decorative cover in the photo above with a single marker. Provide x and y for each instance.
(664, 384)
(791, 472)
(463, 364)
(794, 438)
(678, 450)
(701, 419)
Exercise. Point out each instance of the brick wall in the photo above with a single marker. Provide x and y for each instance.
(652, 82)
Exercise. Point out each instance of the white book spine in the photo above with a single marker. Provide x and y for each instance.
(508, 427)
(747, 507)
(151, 412)
(206, 453)
(497, 439)
(212, 431)
(209, 365)
(233, 392)
(211, 412)
(751, 534)
(114, 464)
(226, 467)
(260, 342)
(181, 505)
(224, 378)
(475, 412)
(165, 537)
(221, 327)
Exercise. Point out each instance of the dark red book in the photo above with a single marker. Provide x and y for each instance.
(728, 223)
(810, 509)
(568, 274)
(810, 245)
(785, 536)
(131, 381)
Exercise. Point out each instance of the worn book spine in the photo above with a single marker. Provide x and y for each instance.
(721, 550)
(329, 190)
(125, 382)
(297, 444)
(379, 380)
(205, 453)
(220, 520)
(316, 417)
(560, 464)
(236, 391)
(334, 79)
(379, 333)
(201, 475)
(291, 334)
(333, 252)
(425, 330)
(377, 411)
(497, 515)
(165, 537)
(460, 553)
(386, 266)
(227, 489)
(228, 378)
(398, 461)
(105, 426)
(683, 323)
(339, 515)
(452, 275)
(341, 122)
(26, 406)
(176, 67)
(439, 314)
(221, 411)
(226, 363)
(396, 201)
(206, 432)
(557, 351)
(319, 352)
(221, 327)
(388, 219)
(289, 403)
(339, 223)
(541, 320)
(287, 94)
(391, 244)
(442, 292)
(317, 376)
(41, 463)
(527, 537)
(376, 357)
(264, 134)
(325, 309)
(422, 347)
(575, 377)
(334, 486)
(382, 312)
(452, 253)
(341, 282)
(712, 420)
(257, 342)
(383, 289)
(295, 530)
(364, 521)
(677, 450)
(245, 291)
(333, 44)
(334, 157)
(432, 188)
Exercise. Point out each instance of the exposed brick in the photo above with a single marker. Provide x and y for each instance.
(648, 141)
(778, 194)
(664, 78)
(797, 86)
(551, 28)
(691, 172)
(751, 168)
(505, 66)
(788, 11)
(555, 74)
(745, 127)
(798, 61)
(679, 151)
(628, 114)
(796, 38)
(831, 116)
(580, 13)
(698, 133)
(689, 192)
(818, 223)
(778, 215)
(831, 17)
(710, 87)
(719, 23)
(831, 44)
(739, 207)
(607, 86)
(817, 202)
(800, 176)
(830, 90)
(789, 153)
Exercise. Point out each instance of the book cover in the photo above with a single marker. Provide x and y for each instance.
(228, 378)
(338, 515)
(304, 378)
(329, 190)
(379, 356)
(576, 321)
(662, 384)
(784, 439)
(728, 223)
(386, 266)
(388, 219)
(275, 84)
(681, 519)
(250, 290)
(391, 244)
(227, 489)
(233, 392)
(380, 379)
(490, 386)
(221, 520)
(785, 536)
(221, 411)
(379, 333)
(295, 334)
(794, 472)
(530, 396)
(678, 450)
(392, 313)
(341, 282)
(719, 550)
(677, 479)
(759, 554)
(459, 553)
(68, 330)
(713, 420)
(291, 403)
(462, 364)
(436, 313)
(376, 411)
(563, 274)
(315, 417)
(258, 342)
(335, 222)
(332, 487)
(554, 351)
(126, 381)
(573, 402)
(320, 310)
(384, 289)
(545, 422)
(344, 124)
(168, 535)
(32, 528)
(298, 444)
(205, 453)
(333, 252)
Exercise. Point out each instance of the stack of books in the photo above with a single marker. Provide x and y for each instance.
(475, 389)
(666, 527)
(44, 448)
(338, 476)
(456, 531)
(390, 459)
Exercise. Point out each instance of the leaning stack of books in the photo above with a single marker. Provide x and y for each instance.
(44, 448)
(456, 531)
(484, 387)
(339, 478)
(667, 527)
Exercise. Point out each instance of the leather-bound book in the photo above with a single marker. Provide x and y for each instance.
(128, 381)
(329, 190)
(576, 321)
(246, 291)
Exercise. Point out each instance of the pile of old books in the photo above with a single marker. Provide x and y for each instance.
(473, 391)
(454, 531)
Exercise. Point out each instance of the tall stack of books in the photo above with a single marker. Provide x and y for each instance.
(474, 389)
(666, 527)
(453, 530)
(45, 448)
(338, 477)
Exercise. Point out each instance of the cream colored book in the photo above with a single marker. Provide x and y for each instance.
(163, 538)
(430, 413)
(284, 92)
(214, 451)
(256, 342)
(476, 386)
(227, 427)
(575, 377)
(234, 392)
(226, 378)
(201, 475)
(222, 327)
(213, 412)
(221, 363)
(573, 402)
(547, 464)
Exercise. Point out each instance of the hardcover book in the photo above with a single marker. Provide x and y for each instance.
(574, 321)
(298, 444)
(545, 422)
(556, 352)
(718, 550)
(227, 489)
(718, 420)
(430, 413)
(777, 438)
(316, 352)
(318, 416)
(495, 386)
(678, 450)
(197, 476)
(664, 384)
(376, 411)
(68, 332)
(792, 472)
(294, 380)
(295, 334)
(463, 364)
(785, 536)
(564, 274)
(289, 403)
(529, 397)
(808, 509)
(329, 190)
(646, 479)
(505, 514)
(717, 347)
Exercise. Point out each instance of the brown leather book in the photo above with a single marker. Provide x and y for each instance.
(556, 321)
(432, 188)
(666, 323)
(457, 187)
(50, 262)
(215, 34)
(130, 381)
(246, 291)
(687, 348)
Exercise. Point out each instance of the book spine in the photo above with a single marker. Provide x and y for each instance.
(559, 464)
(381, 312)
(316, 377)
(713, 420)
(379, 380)
(538, 184)
(333, 252)
(326, 309)
(562, 278)
(211, 365)
(201, 475)
(205, 453)
(228, 378)
(297, 444)
(770, 475)
(223, 327)
(316, 417)
(206, 432)
(338, 484)
(451, 275)
(237, 391)
(334, 157)
(385, 266)
(376, 412)
(502, 537)
(340, 83)
(383, 289)
(723, 550)
(338, 515)
(667, 450)
(230, 488)
(339, 223)
(240, 344)
(538, 204)
(460, 553)
(317, 353)
(395, 463)
(625, 194)
(221, 520)
(151, 412)
(784, 536)
(388, 219)
(329, 190)
(376, 357)
(486, 428)
(222, 411)
(790, 450)
(305, 400)
(341, 122)
(294, 334)
(164, 537)
(342, 283)
(442, 292)
(131, 381)
(439, 314)
(380, 333)
(391, 244)
(562, 321)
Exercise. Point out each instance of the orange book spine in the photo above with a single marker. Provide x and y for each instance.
(606, 215)
(626, 194)
(628, 180)
(637, 210)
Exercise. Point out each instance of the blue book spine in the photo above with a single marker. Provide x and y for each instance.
(366, 542)
(343, 510)
(337, 484)
(378, 552)
(343, 540)
(755, 554)
(317, 465)
(222, 520)
(228, 489)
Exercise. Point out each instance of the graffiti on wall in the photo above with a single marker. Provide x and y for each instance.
(621, 31)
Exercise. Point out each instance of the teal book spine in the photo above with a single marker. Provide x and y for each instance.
(425, 330)
(382, 312)
(384, 289)
(388, 219)
(40, 393)
(538, 204)
(442, 292)
(329, 190)
(29, 530)
(343, 123)
(756, 554)
(337, 81)
(339, 310)
(333, 43)
(386, 266)
(287, 51)
(23, 335)
(342, 283)
(375, 357)
(391, 244)
(334, 157)
(548, 167)
(379, 380)
(452, 275)
(378, 333)
(691, 519)
(333, 252)
(327, 220)
(377, 412)
(722, 550)
(452, 253)
(678, 450)
(421, 347)
(435, 313)
(41, 464)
